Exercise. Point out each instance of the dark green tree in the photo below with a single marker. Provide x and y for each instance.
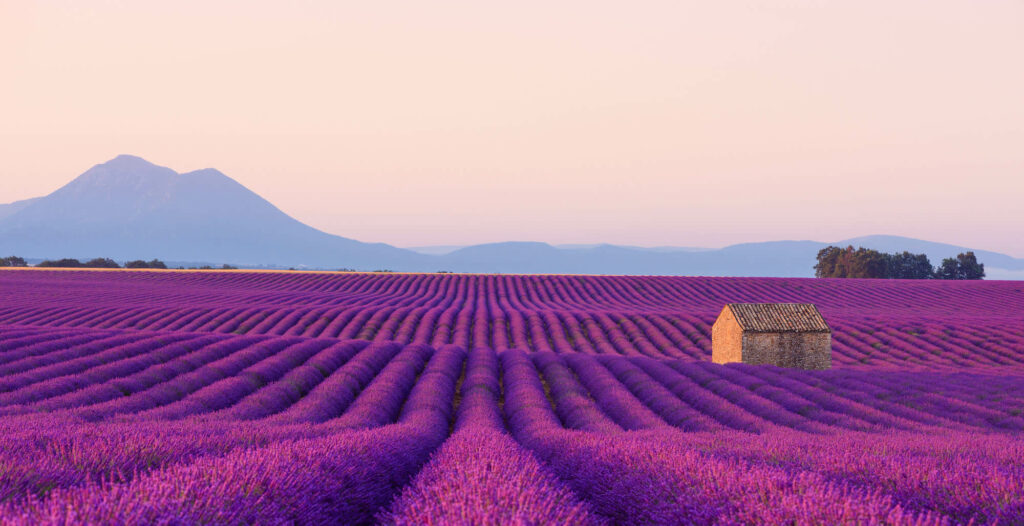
(909, 266)
(860, 262)
(828, 262)
(138, 263)
(835, 262)
(61, 263)
(13, 261)
(964, 266)
(868, 263)
(101, 263)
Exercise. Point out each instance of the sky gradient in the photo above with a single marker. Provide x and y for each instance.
(659, 123)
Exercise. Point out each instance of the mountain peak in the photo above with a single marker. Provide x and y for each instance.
(125, 157)
(207, 172)
(123, 171)
(125, 162)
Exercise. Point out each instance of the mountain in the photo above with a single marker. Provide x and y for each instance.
(777, 258)
(10, 208)
(632, 247)
(771, 258)
(435, 250)
(438, 250)
(129, 208)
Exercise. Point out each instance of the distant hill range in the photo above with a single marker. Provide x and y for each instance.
(129, 208)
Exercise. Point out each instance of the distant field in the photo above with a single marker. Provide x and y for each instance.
(283, 397)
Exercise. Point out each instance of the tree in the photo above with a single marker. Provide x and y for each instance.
(835, 262)
(909, 266)
(860, 262)
(61, 263)
(964, 266)
(828, 262)
(947, 270)
(101, 263)
(970, 267)
(138, 263)
(868, 263)
(13, 261)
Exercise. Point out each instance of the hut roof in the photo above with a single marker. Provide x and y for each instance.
(779, 317)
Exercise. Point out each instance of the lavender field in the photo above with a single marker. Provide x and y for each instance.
(165, 397)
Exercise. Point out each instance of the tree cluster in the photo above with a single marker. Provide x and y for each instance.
(964, 266)
(13, 261)
(138, 263)
(860, 262)
(101, 263)
(61, 263)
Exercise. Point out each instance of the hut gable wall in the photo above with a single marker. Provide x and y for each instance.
(726, 339)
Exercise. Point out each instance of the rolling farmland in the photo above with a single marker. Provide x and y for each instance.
(140, 397)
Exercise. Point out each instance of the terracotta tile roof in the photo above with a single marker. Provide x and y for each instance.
(779, 317)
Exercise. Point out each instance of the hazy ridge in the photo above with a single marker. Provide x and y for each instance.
(129, 208)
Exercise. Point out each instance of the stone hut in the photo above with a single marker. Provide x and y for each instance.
(784, 334)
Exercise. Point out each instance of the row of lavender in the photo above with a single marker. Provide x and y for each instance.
(443, 436)
(857, 343)
(516, 292)
(924, 325)
(98, 375)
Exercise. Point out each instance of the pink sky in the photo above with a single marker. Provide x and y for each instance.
(651, 123)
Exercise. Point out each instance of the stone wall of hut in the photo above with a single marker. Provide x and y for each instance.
(798, 350)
